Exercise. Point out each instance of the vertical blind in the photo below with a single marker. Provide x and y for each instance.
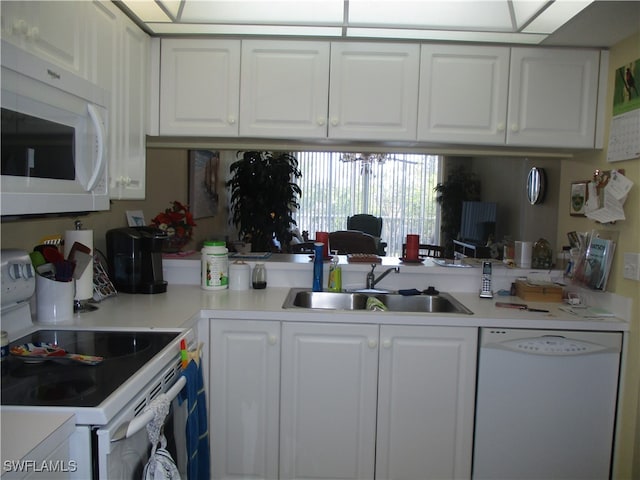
(399, 189)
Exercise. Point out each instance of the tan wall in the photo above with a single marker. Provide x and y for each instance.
(580, 168)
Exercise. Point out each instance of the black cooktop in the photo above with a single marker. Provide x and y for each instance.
(50, 383)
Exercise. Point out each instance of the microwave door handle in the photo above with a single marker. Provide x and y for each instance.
(100, 133)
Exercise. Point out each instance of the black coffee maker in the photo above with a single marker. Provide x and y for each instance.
(134, 255)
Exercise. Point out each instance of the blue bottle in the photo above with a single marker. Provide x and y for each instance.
(317, 266)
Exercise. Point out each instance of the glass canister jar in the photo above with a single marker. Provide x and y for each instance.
(259, 277)
(542, 256)
(215, 265)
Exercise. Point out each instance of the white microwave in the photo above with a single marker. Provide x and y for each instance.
(54, 139)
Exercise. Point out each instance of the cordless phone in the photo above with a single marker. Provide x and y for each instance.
(486, 291)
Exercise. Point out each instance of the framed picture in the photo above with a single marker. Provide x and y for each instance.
(578, 198)
(135, 218)
(204, 181)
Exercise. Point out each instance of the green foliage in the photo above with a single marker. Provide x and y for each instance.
(461, 186)
(264, 193)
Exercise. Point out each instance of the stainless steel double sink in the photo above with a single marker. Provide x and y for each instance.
(357, 300)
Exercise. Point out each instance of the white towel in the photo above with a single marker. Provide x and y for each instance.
(160, 465)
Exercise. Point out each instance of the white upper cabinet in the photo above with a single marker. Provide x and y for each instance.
(437, 94)
(553, 97)
(284, 89)
(55, 31)
(373, 91)
(426, 395)
(463, 94)
(120, 64)
(128, 181)
(199, 87)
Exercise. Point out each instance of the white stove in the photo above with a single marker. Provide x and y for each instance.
(137, 367)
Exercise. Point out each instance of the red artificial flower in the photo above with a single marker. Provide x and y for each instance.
(176, 220)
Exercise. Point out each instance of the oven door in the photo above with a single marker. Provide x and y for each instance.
(125, 458)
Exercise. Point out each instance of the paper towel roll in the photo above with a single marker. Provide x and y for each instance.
(523, 254)
(84, 285)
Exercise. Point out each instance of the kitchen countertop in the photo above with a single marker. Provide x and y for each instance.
(182, 305)
(185, 303)
(32, 437)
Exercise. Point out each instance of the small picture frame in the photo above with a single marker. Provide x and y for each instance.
(578, 198)
(135, 218)
(204, 179)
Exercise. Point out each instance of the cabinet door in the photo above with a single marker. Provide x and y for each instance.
(553, 97)
(328, 401)
(463, 94)
(373, 91)
(199, 87)
(120, 65)
(284, 89)
(128, 179)
(55, 31)
(426, 398)
(244, 398)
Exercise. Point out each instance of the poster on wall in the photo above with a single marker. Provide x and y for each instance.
(624, 134)
(204, 168)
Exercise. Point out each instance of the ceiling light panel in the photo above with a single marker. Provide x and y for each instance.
(556, 15)
(307, 12)
(147, 11)
(172, 6)
(432, 14)
(526, 10)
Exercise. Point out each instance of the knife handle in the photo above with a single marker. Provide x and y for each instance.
(518, 306)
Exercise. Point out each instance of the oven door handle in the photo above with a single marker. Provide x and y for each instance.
(127, 429)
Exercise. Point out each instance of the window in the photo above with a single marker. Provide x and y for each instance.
(397, 187)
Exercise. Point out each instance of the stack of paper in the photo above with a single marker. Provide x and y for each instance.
(605, 205)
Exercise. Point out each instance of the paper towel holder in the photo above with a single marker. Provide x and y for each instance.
(83, 305)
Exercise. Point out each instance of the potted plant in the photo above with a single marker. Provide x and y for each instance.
(461, 186)
(264, 194)
(177, 222)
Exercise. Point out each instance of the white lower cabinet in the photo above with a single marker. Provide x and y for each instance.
(310, 400)
(244, 399)
(426, 397)
(328, 401)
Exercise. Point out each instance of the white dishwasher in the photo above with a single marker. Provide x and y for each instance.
(546, 404)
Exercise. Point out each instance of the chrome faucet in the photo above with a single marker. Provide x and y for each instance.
(371, 276)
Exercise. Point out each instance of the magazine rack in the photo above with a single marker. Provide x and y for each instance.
(595, 259)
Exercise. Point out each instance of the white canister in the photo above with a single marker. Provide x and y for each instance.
(239, 276)
(524, 251)
(215, 266)
(54, 300)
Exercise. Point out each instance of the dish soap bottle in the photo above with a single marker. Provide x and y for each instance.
(317, 266)
(335, 275)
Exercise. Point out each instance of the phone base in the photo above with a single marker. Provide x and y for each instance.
(486, 294)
